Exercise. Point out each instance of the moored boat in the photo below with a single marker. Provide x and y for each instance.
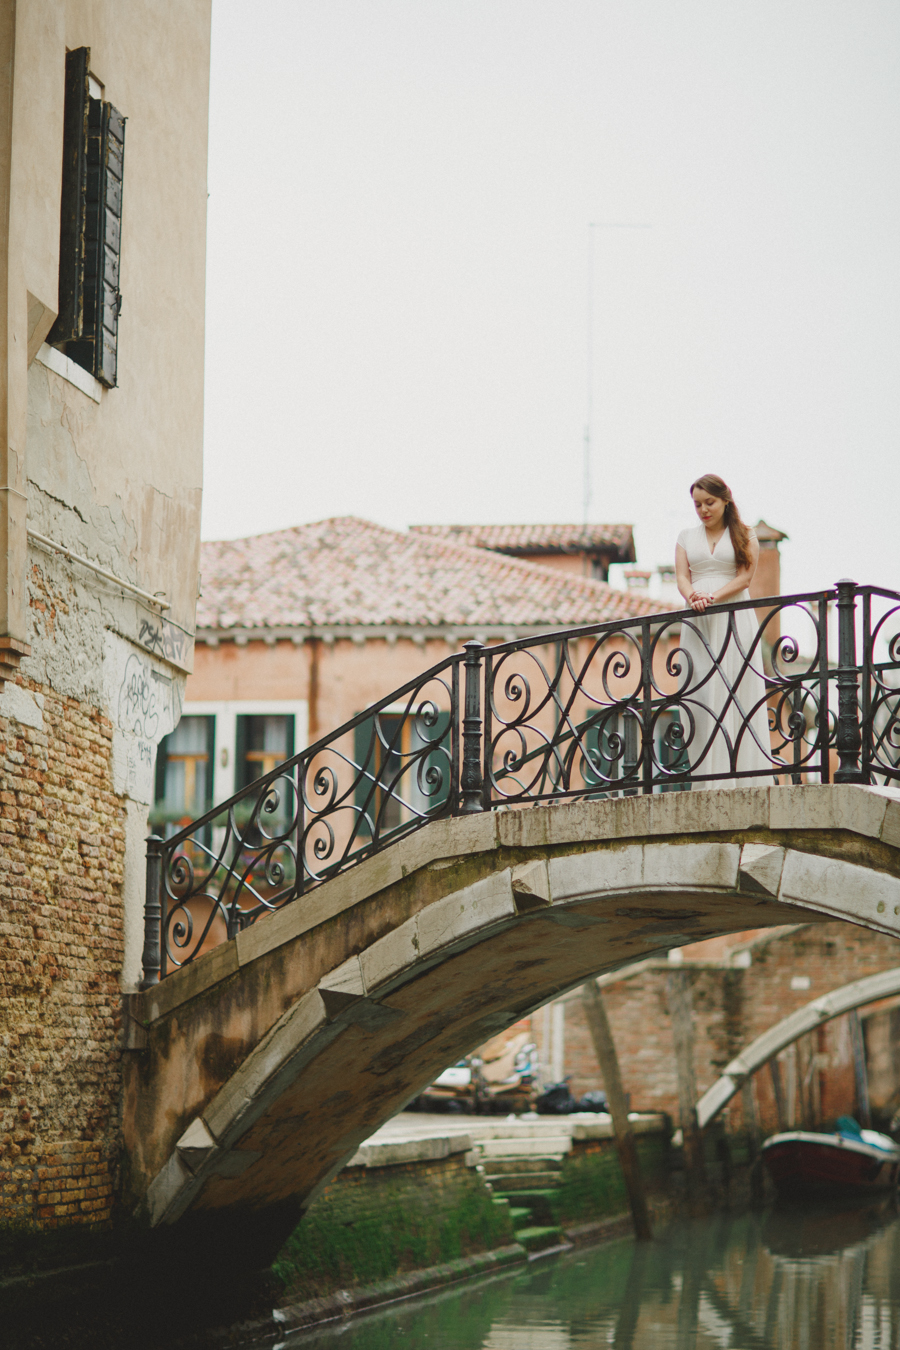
(851, 1160)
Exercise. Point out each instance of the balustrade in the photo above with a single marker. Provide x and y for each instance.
(632, 706)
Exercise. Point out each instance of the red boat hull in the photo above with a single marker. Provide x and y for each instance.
(827, 1164)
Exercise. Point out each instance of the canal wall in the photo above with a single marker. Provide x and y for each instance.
(413, 1213)
(396, 1208)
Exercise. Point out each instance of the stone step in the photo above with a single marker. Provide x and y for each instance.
(539, 1238)
(535, 1207)
(524, 1164)
(520, 1181)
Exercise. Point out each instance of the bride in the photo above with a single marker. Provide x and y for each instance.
(724, 699)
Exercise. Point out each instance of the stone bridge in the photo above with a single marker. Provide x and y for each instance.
(258, 1069)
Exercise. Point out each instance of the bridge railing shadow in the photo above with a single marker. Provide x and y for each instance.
(758, 691)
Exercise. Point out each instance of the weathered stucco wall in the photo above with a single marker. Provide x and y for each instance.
(113, 475)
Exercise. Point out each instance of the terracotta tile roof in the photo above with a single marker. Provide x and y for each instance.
(515, 539)
(347, 571)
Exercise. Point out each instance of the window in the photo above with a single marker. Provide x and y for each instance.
(385, 748)
(263, 741)
(90, 301)
(184, 773)
(613, 745)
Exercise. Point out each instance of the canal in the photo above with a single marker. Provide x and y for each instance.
(785, 1279)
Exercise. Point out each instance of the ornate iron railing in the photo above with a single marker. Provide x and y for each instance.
(753, 691)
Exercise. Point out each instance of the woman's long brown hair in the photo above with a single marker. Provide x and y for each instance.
(740, 535)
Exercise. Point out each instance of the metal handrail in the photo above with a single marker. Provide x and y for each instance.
(661, 702)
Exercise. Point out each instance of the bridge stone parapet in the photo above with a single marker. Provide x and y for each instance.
(261, 1067)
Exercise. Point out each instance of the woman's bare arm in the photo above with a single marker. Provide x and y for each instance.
(683, 574)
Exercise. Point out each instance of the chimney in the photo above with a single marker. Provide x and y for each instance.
(767, 580)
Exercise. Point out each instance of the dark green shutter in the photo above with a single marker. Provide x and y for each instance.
(241, 775)
(73, 203)
(675, 760)
(211, 762)
(161, 760)
(440, 760)
(109, 147)
(90, 226)
(365, 756)
(602, 765)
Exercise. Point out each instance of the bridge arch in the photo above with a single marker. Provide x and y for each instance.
(782, 1034)
(261, 1067)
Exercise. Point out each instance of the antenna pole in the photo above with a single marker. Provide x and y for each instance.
(587, 490)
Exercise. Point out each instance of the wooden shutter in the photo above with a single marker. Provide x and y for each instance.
(73, 204)
(676, 759)
(603, 766)
(440, 760)
(106, 158)
(365, 756)
(90, 226)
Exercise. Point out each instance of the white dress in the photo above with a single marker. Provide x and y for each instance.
(723, 699)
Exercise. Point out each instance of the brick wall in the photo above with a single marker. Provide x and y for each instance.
(731, 1007)
(61, 941)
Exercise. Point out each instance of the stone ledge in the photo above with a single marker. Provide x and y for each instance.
(396, 1153)
(296, 1316)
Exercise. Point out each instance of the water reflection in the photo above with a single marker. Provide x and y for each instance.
(785, 1280)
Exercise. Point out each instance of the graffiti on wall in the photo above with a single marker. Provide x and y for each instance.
(164, 639)
(147, 707)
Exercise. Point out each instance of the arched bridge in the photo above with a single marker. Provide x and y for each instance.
(264, 1064)
(789, 1029)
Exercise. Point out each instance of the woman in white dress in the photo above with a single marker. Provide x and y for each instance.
(724, 703)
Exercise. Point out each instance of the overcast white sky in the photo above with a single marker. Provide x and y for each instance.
(400, 193)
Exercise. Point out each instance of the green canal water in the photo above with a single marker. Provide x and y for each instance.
(785, 1279)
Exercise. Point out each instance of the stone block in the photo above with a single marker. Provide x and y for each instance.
(196, 1144)
(841, 888)
(525, 828)
(272, 931)
(170, 1191)
(531, 886)
(612, 869)
(761, 868)
(890, 829)
(402, 1152)
(592, 1129)
(577, 822)
(280, 1046)
(828, 806)
(455, 916)
(390, 955)
(345, 979)
(688, 865)
(456, 836)
(184, 984)
(709, 812)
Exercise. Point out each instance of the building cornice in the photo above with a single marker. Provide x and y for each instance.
(453, 635)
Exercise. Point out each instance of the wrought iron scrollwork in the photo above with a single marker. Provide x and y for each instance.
(749, 692)
(389, 771)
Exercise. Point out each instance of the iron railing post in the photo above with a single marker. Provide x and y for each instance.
(152, 954)
(849, 737)
(470, 779)
(631, 758)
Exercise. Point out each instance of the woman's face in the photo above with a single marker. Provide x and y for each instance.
(710, 509)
